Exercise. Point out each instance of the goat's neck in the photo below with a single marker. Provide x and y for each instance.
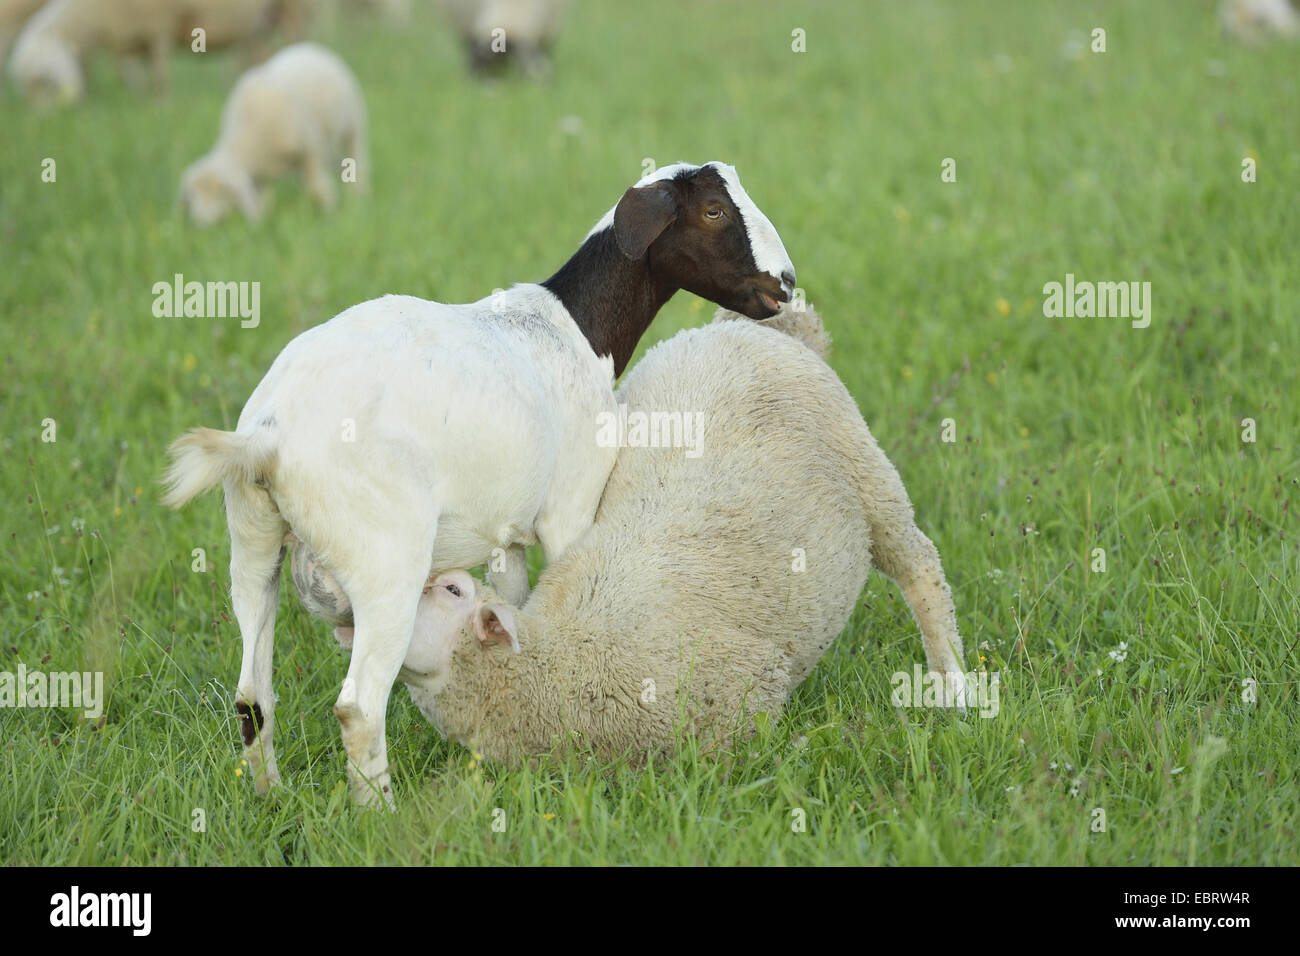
(613, 299)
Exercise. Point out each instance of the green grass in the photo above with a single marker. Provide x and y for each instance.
(1072, 434)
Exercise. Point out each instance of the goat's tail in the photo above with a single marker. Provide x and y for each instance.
(205, 457)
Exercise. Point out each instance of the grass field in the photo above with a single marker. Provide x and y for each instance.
(1160, 691)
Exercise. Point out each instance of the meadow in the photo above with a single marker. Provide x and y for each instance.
(1118, 536)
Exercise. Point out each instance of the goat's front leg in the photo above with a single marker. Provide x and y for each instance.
(511, 580)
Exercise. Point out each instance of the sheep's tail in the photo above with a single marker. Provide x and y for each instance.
(802, 323)
(205, 457)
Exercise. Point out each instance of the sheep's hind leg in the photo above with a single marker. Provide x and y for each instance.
(902, 551)
(385, 594)
(256, 555)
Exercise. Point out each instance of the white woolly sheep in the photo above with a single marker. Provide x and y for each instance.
(300, 110)
(497, 32)
(708, 587)
(406, 436)
(1253, 20)
(47, 62)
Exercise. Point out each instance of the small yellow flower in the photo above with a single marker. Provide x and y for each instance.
(991, 378)
(1004, 307)
(138, 491)
(117, 512)
(243, 763)
(548, 816)
(238, 772)
(477, 755)
(983, 659)
(1024, 432)
(189, 362)
(907, 373)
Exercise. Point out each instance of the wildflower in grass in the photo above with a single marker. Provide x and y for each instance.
(1004, 308)
(1119, 653)
(548, 817)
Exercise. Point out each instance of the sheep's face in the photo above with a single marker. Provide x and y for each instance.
(47, 73)
(210, 188)
(700, 231)
(454, 610)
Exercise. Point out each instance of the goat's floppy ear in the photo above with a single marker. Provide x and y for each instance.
(495, 624)
(641, 216)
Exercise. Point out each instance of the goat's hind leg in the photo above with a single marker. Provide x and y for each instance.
(257, 534)
(385, 593)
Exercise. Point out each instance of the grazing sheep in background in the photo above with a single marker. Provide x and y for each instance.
(300, 110)
(1253, 20)
(707, 587)
(497, 32)
(47, 62)
(13, 14)
(406, 436)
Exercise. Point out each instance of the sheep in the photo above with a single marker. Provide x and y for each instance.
(496, 32)
(707, 588)
(13, 14)
(1252, 20)
(47, 59)
(404, 437)
(301, 109)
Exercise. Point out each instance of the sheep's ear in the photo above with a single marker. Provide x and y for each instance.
(641, 216)
(495, 624)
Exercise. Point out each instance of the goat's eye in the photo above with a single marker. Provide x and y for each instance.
(713, 215)
(454, 590)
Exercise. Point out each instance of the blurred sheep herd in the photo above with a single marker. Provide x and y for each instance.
(301, 109)
(298, 109)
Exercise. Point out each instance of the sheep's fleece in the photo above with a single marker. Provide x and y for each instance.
(301, 109)
(684, 601)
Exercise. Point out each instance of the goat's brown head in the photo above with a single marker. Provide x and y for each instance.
(698, 230)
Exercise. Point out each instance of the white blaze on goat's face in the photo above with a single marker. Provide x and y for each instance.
(764, 241)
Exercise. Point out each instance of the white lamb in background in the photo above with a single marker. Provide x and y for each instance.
(1253, 20)
(707, 587)
(300, 110)
(48, 58)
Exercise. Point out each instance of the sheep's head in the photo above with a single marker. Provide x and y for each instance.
(47, 72)
(212, 186)
(455, 610)
(699, 230)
